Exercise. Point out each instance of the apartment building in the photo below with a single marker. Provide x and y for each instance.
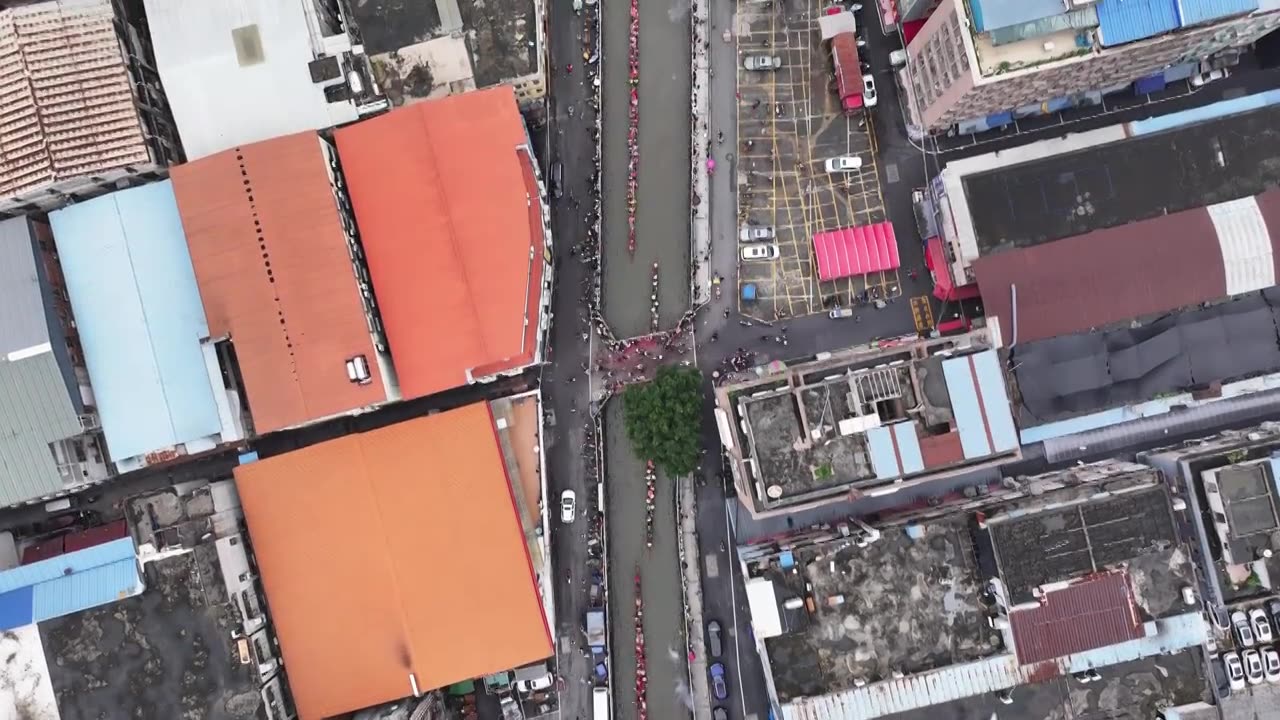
(83, 108)
(982, 63)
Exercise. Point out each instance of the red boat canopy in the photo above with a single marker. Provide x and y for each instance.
(855, 251)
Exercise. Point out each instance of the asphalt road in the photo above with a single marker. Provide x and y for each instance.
(564, 382)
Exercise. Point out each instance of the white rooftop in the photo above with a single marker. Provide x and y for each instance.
(235, 71)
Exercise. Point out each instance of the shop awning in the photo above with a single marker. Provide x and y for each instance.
(943, 287)
(855, 251)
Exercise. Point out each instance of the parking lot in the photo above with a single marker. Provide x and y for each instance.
(789, 124)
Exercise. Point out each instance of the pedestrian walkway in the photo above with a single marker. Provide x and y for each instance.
(689, 555)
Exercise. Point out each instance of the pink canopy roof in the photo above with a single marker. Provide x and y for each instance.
(855, 251)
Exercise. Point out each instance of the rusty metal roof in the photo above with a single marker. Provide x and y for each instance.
(1093, 613)
(276, 276)
(68, 105)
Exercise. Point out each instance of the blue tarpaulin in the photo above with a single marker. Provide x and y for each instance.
(1151, 84)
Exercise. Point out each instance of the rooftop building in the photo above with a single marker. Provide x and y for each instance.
(240, 71)
(193, 643)
(50, 442)
(983, 63)
(865, 421)
(83, 112)
(388, 605)
(1047, 576)
(432, 49)
(452, 219)
(1231, 481)
(156, 382)
(1114, 187)
(273, 247)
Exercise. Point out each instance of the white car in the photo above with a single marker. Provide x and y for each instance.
(568, 506)
(751, 233)
(1261, 626)
(762, 62)
(1209, 76)
(868, 91)
(898, 58)
(1235, 670)
(844, 163)
(535, 685)
(1271, 664)
(760, 251)
(839, 313)
(1244, 634)
(1253, 667)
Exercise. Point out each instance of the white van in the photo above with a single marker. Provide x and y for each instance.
(600, 704)
(897, 58)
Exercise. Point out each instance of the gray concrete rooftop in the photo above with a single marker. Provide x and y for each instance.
(908, 606)
(500, 41)
(1057, 545)
(166, 653)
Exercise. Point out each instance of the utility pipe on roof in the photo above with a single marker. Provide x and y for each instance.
(413, 684)
(1013, 314)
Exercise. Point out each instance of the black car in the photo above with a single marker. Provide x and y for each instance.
(713, 639)
(1273, 609)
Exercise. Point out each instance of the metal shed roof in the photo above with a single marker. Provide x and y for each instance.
(980, 402)
(856, 250)
(68, 583)
(139, 317)
(1094, 613)
(1125, 21)
(1196, 12)
(37, 403)
(276, 276)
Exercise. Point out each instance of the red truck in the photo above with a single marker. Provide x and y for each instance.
(848, 72)
(839, 29)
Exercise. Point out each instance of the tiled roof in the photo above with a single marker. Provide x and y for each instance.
(68, 104)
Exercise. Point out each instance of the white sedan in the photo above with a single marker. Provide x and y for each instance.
(760, 251)
(844, 163)
(868, 91)
(1235, 670)
(568, 506)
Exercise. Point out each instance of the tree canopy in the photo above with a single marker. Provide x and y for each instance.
(663, 419)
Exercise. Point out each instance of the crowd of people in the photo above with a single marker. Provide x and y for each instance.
(633, 123)
(650, 492)
(642, 706)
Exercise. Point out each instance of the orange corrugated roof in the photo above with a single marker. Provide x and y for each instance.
(392, 552)
(275, 275)
(449, 215)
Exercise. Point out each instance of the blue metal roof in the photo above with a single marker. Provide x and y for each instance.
(138, 311)
(1197, 12)
(994, 14)
(1124, 21)
(995, 401)
(980, 404)
(883, 458)
(1203, 113)
(908, 438)
(68, 583)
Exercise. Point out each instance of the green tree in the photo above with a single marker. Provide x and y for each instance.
(663, 419)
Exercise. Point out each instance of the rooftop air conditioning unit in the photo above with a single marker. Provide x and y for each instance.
(1073, 4)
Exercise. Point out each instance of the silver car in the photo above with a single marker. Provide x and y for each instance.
(752, 233)
(762, 62)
